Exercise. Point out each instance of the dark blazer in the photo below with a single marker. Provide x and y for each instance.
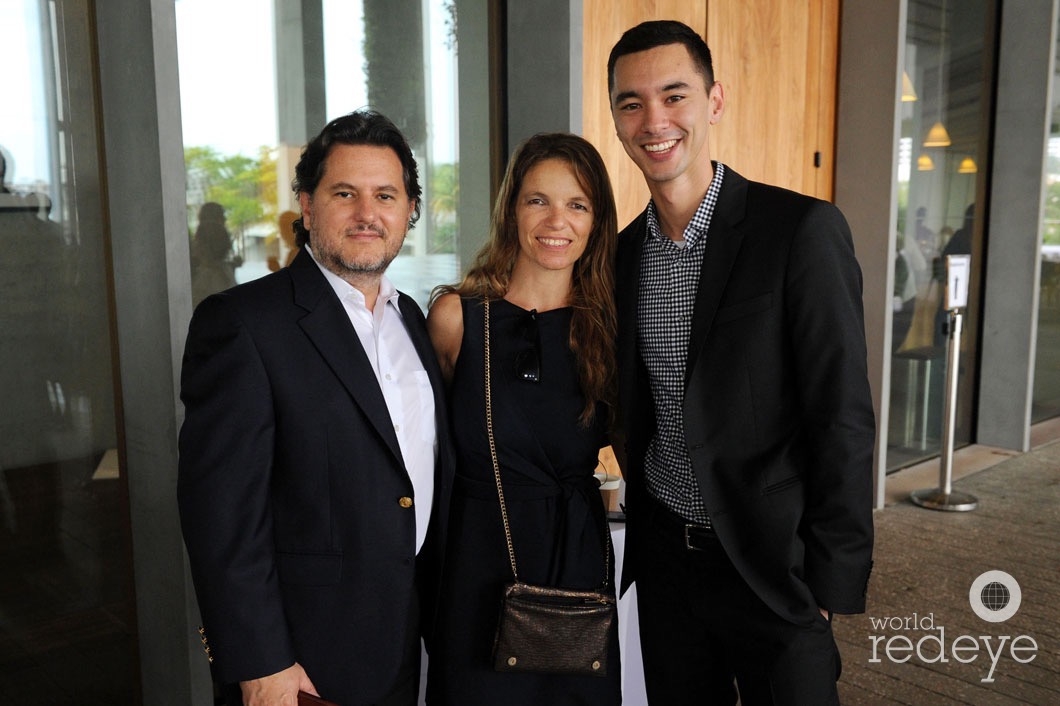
(291, 489)
(777, 411)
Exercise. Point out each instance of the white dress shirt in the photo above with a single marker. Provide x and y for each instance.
(403, 381)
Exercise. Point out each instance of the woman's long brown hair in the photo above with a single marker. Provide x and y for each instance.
(593, 322)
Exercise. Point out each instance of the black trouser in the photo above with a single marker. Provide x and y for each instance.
(704, 632)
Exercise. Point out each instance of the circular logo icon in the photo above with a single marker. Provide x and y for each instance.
(995, 596)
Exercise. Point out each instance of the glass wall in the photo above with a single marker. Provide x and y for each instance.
(1046, 401)
(67, 622)
(260, 77)
(941, 172)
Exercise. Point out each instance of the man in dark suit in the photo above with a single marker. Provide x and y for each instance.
(744, 402)
(314, 463)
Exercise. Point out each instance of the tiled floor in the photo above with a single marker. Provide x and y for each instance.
(926, 563)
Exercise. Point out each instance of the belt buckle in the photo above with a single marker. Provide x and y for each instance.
(688, 539)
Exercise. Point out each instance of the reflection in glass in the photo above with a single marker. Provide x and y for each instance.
(67, 627)
(250, 100)
(214, 257)
(943, 130)
(1046, 401)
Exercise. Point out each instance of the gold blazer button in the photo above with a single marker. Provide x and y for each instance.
(405, 502)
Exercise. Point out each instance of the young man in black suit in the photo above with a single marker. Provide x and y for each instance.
(314, 463)
(744, 402)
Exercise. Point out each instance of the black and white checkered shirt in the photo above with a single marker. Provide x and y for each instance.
(669, 278)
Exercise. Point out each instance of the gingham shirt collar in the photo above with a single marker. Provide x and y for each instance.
(697, 227)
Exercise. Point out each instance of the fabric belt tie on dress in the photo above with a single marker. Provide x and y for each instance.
(584, 491)
(474, 488)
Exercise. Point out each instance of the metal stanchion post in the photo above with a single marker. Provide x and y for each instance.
(945, 497)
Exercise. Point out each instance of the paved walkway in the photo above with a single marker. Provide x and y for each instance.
(925, 564)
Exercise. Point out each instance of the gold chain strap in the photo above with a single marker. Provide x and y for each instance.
(493, 446)
(497, 467)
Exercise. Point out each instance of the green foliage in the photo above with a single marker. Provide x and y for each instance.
(1051, 235)
(449, 8)
(444, 185)
(244, 186)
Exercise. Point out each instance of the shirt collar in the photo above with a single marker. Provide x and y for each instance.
(347, 292)
(700, 219)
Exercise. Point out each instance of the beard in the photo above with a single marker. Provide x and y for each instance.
(362, 265)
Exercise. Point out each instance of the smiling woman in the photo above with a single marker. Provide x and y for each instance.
(554, 218)
(544, 351)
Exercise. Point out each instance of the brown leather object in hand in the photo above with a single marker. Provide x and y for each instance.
(305, 699)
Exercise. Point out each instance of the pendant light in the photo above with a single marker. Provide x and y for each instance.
(938, 136)
(908, 92)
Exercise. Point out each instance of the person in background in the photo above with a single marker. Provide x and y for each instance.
(213, 264)
(314, 462)
(286, 231)
(925, 238)
(547, 272)
(744, 402)
(904, 294)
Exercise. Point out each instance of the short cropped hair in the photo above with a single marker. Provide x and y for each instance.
(658, 33)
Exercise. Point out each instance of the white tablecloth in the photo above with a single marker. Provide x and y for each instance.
(628, 629)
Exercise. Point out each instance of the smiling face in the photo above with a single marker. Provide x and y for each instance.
(663, 107)
(359, 213)
(553, 216)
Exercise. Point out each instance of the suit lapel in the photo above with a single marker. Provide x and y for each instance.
(627, 279)
(328, 327)
(724, 240)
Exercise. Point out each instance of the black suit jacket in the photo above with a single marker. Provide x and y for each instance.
(290, 489)
(778, 415)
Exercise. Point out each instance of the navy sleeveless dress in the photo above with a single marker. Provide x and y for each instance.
(557, 518)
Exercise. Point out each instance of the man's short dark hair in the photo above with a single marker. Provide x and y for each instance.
(659, 33)
(361, 127)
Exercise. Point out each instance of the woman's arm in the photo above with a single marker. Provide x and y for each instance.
(445, 324)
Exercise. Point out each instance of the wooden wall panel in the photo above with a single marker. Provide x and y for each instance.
(822, 97)
(777, 63)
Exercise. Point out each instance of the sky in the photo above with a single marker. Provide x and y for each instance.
(226, 63)
(227, 71)
(22, 107)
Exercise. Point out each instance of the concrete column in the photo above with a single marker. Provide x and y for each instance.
(868, 126)
(1014, 231)
(300, 91)
(544, 68)
(141, 130)
(474, 67)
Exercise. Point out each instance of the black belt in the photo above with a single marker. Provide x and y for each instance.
(693, 535)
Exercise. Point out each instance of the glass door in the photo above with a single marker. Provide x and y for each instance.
(1046, 402)
(67, 620)
(941, 178)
